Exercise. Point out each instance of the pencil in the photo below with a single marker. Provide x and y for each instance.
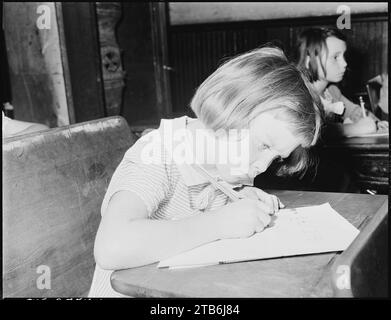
(231, 194)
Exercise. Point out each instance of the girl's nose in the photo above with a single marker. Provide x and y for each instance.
(343, 63)
(264, 162)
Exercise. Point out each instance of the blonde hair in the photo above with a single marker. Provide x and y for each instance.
(310, 45)
(258, 81)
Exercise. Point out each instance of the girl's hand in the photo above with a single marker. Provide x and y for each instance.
(382, 125)
(241, 219)
(366, 125)
(272, 202)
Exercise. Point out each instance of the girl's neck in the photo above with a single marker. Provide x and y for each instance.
(320, 86)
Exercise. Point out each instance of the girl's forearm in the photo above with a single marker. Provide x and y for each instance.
(144, 241)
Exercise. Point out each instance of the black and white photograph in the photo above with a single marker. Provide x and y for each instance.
(195, 150)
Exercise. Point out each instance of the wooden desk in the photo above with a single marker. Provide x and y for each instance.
(365, 159)
(300, 276)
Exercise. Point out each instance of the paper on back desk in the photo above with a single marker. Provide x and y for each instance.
(313, 229)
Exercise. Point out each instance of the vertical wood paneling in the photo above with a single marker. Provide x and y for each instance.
(84, 61)
(33, 65)
(135, 37)
(203, 48)
(385, 43)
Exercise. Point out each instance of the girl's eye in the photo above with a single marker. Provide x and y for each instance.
(263, 147)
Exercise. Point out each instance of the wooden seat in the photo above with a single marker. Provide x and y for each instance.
(362, 269)
(53, 186)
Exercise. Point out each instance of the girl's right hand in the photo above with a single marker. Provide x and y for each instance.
(367, 125)
(241, 219)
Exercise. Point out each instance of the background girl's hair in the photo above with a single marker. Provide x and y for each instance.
(255, 82)
(311, 42)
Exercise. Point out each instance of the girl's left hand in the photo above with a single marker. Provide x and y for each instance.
(382, 125)
(272, 201)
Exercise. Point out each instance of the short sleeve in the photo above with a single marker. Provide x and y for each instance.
(149, 181)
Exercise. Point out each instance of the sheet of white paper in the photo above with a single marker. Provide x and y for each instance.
(307, 230)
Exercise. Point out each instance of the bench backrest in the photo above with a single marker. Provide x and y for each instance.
(53, 186)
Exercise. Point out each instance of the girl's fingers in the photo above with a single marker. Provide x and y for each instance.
(265, 197)
(280, 204)
(259, 227)
(256, 194)
(265, 219)
(273, 201)
(246, 192)
(269, 203)
(264, 207)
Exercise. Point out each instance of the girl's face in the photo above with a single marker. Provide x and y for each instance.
(270, 140)
(334, 63)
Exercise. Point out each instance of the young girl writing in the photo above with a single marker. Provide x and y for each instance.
(321, 52)
(157, 205)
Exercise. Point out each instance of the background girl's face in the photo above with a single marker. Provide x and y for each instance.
(334, 63)
(270, 139)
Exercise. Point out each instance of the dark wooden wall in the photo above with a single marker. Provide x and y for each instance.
(164, 63)
(80, 36)
(135, 41)
(196, 50)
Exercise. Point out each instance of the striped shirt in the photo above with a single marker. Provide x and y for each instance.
(169, 190)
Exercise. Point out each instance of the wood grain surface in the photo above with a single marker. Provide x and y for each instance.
(300, 276)
(53, 186)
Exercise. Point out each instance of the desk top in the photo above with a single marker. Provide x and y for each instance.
(370, 143)
(300, 276)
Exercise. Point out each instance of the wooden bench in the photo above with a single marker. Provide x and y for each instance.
(53, 186)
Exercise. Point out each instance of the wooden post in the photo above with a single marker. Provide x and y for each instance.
(160, 56)
(108, 14)
(35, 66)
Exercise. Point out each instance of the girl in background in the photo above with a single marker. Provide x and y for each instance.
(321, 53)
